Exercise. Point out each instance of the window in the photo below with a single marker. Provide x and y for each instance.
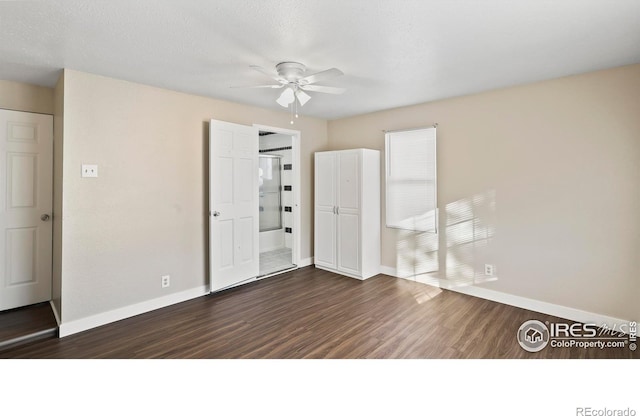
(411, 189)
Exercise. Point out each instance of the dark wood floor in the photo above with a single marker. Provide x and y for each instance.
(26, 324)
(310, 313)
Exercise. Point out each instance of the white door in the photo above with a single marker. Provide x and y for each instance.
(233, 204)
(348, 212)
(325, 210)
(26, 183)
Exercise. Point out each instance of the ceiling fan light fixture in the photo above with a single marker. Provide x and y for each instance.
(302, 97)
(286, 97)
(293, 78)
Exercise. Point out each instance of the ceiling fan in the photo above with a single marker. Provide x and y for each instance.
(291, 76)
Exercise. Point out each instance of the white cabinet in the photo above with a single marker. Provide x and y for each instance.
(347, 212)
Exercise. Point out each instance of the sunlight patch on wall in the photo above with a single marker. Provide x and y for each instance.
(417, 253)
(456, 256)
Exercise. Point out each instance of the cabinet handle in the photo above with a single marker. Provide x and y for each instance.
(338, 210)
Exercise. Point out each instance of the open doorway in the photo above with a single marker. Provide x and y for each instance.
(278, 201)
(235, 245)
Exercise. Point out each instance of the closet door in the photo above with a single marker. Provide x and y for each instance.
(348, 211)
(325, 209)
(26, 157)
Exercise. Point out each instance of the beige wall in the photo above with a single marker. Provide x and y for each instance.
(558, 160)
(26, 97)
(551, 173)
(146, 213)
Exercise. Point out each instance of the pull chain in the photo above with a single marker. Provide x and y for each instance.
(294, 109)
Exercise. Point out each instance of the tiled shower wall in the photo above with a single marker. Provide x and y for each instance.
(280, 144)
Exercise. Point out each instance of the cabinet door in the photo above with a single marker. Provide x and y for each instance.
(348, 227)
(349, 181)
(325, 204)
(325, 239)
(349, 242)
(325, 181)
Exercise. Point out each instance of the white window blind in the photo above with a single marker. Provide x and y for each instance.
(411, 191)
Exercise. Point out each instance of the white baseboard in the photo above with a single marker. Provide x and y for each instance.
(534, 305)
(560, 311)
(83, 324)
(93, 321)
(306, 262)
(389, 271)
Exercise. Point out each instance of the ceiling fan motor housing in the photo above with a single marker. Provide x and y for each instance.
(291, 71)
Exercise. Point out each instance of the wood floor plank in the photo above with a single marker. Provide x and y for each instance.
(26, 320)
(27, 324)
(314, 314)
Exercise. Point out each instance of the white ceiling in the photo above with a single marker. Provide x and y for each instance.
(393, 52)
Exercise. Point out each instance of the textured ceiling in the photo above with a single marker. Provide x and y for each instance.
(393, 52)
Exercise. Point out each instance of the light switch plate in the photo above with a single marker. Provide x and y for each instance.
(89, 171)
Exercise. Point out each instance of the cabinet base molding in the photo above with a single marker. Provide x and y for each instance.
(354, 276)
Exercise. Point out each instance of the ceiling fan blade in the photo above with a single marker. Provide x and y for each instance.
(320, 88)
(268, 73)
(259, 86)
(318, 76)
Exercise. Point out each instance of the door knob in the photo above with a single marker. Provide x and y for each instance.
(216, 214)
(45, 217)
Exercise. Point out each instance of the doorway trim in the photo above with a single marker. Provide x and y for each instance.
(295, 147)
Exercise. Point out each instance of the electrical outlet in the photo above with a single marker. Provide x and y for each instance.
(488, 269)
(166, 281)
(89, 171)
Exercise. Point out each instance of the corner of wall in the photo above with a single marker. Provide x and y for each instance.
(58, 146)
